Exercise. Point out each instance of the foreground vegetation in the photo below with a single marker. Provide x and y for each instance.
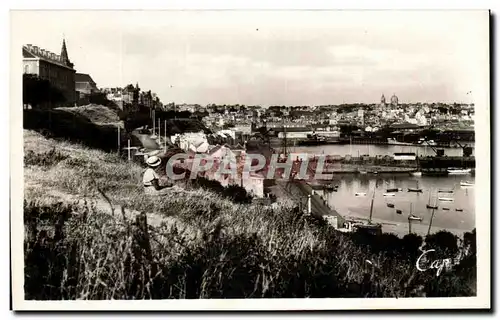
(200, 244)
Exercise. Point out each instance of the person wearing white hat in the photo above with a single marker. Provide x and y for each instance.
(151, 179)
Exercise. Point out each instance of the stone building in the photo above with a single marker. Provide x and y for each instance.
(58, 69)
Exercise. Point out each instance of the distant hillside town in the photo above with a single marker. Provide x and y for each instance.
(45, 71)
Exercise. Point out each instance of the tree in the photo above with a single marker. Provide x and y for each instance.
(39, 92)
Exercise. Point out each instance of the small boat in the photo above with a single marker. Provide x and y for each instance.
(389, 194)
(360, 194)
(457, 171)
(416, 174)
(414, 217)
(417, 189)
(459, 209)
(362, 172)
(394, 189)
(393, 141)
(446, 191)
(444, 208)
(399, 211)
(428, 205)
(445, 199)
(466, 183)
(390, 205)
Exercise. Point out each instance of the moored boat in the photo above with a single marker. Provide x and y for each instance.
(417, 173)
(428, 205)
(394, 190)
(399, 211)
(444, 208)
(458, 171)
(414, 190)
(390, 205)
(466, 183)
(414, 217)
(459, 209)
(360, 194)
(445, 199)
(446, 191)
(389, 194)
(398, 143)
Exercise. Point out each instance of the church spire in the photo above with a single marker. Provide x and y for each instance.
(64, 54)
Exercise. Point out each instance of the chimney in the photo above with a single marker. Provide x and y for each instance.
(29, 46)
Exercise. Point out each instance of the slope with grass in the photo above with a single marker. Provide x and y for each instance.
(198, 244)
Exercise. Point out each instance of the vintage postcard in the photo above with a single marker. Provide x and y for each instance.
(248, 160)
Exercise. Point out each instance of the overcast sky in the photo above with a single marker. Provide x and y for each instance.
(268, 58)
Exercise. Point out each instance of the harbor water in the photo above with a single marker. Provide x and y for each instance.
(349, 205)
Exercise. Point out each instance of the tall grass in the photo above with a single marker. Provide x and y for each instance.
(92, 255)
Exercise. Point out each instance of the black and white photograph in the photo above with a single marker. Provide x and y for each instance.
(250, 160)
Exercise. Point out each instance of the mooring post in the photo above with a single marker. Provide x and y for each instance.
(309, 203)
(119, 140)
(165, 128)
(128, 150)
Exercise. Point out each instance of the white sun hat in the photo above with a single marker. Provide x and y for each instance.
(153, 161)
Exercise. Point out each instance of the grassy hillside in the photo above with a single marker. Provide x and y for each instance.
(72, 126)
(196, 244)
(97, 114)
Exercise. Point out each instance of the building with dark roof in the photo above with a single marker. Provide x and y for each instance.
(58, 69)
(84, 84)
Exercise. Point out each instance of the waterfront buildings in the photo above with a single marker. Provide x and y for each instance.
(58, 69)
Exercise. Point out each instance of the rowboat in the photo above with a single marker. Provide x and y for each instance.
(399, 211)
(360, 194)
(394, 189)
(389, 194)
(431, 207)
(390, 205)
(459, 209)
(444, 208)
(445, 199)
(466, 183)
(414, 217)
(414, 190)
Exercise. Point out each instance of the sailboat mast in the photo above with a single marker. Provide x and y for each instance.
(371, 208)
(432, 217)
